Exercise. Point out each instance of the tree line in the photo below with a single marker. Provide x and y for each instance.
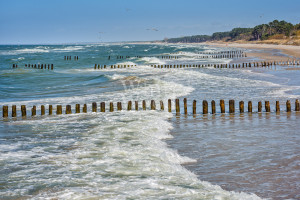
(259, 32)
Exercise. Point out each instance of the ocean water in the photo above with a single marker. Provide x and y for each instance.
(145, 154)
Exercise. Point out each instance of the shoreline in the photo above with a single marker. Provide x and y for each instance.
(267, 52)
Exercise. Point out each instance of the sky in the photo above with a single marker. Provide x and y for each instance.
(76, 21)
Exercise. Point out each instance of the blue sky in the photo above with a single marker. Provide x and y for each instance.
(68, 21)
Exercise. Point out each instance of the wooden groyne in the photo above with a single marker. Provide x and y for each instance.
(230, 65)
(70, 58)
(207, 107)
(237, 52)
(127, 57)
(98, 66)
(37, 66)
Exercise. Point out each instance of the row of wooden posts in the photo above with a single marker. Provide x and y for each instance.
(240, 65)
(223, 52)
(162, 57)
(97, 66)
(258, 64)
(37, 66)
(224, 56)
(231, 107)
(70, 58)
(40, 66)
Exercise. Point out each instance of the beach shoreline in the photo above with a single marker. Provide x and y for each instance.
(264, 51)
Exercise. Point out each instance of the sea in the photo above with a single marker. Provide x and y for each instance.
(145, 154)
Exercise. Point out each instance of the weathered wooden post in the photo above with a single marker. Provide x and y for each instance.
(241, 105)
(259, 106)
(23, 110)
(277, 106)
(33, 111)
(213, 107)
(153, 107)
(222, 106)
(50, 109)
(51, 66)
(205, 107)
(94, 107)
(194, 107)
(111, 107)
(136, 105)
(162, 105)
(58, 110)
(119, 106)
(267, 106)
(42, 110)
(129, 105)
(95, 66)
(177, 106)
(77, 108)
(249, 106)
(84, 109)
(297, 105)
(185, 106)
(169, 105)
(102, 107)
(288, 106)
(5, 111)
(14, 111)
(68, 109)
(144, 105)
(231, 106)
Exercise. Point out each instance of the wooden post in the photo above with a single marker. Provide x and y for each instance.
(77, 108)
(58, 110)
(136, 105)
(194, 107)
(177, 106)
(144, 105)
(14, 111)
(119, 106)
(33, 111)
(249, 106)
(102, 107)
(213, 107)
(111, 107)
(5, 111)
(129, 105)
(23, 110)
(153, 107)
(222, 106)
(297, 105)
(288, 106)
(84, 109)
(205, 107)
(185, 106)
(51, 66)
(162, 105)
(94, 107)
(42, 110)
(241, 105)
(267, 106)
(169, 105)
(68, 109)
(277, 106)
(259, 106)
(231, 106)
(50, 109)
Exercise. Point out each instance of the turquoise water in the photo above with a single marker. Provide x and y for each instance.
(141, 155)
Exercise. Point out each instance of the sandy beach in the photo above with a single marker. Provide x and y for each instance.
(265, 51)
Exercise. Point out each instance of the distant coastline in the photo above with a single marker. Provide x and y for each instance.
(275, 32)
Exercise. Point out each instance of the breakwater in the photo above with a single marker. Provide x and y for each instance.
(152, 105)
